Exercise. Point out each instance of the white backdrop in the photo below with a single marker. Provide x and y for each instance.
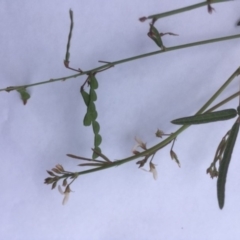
(134, 99)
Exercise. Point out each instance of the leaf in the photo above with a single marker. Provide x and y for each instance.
(93, 95)
(97, 140)
(96, 127)
(155, 36)
(85, 97)
(224, 164)
(87, 119)
(24, 95)
(95, 155)
(93, 82)
(207, 117)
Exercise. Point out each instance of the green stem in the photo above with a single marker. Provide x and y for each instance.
(223, 102)
(180, 10)
(125, 60)
(162, 144)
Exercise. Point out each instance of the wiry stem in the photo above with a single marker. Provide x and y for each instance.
(162, 144)
(188, 8)
(8, 89)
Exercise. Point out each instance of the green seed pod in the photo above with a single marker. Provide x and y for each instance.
(87, 119)
(92, 114)
(225, 163)
(93, 95)
(207, 117)
(92, 111)
(95, 155)
(85, 97)
(91, 107)
(97, 140)
(93, 82)
(96, 127)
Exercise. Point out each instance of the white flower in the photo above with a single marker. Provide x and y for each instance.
(65, 193)
(140, 144)
(153, 170)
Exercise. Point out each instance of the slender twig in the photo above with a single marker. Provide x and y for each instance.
(125, 60)
(223, 101)
(66, 61)
(85, 159)
(180, 10)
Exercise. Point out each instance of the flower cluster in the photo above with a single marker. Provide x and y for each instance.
(57, 174)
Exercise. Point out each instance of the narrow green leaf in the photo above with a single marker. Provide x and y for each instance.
(224, 164)
(207, 117)
(238, 110)
(95, 155)
(96, 127)
(93, 95)
(85, 97)
(93, 82)
(97, 140)
(87, 119)
(24, 95)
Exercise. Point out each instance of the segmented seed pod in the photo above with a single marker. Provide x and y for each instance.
(85, 97)
(224, 164)
(93, 82)
(207, 117)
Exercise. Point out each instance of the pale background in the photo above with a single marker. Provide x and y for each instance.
(134, 99)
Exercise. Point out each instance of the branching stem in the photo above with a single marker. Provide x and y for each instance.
(8, 89)
(162, 144)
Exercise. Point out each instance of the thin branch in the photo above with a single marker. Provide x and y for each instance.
(223, 102)
(8, 89)
(83, 158)
(188, 8)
